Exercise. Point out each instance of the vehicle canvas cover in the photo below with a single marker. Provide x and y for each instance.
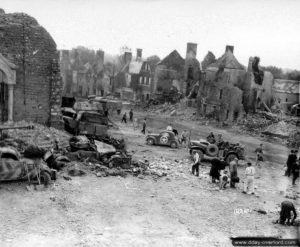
(88, 106)
(114, 104)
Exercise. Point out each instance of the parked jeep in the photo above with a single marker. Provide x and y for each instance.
(207, 150)
(165, 138)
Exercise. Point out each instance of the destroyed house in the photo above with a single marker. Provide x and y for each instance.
(169, 72)
(134, 81)
(220, 98)
(175, 71)
(231, 65)
(286, 91)
(30, 83)
(82, 80)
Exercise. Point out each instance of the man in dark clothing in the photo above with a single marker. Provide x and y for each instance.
(285, 214)
(292, 158)
(295, 170)
(175, 132)
(144, 126)
(259, 155)
(131, 115)
(124, 119)
(211, 138)
(233, 172)
(106, 112)
(216, 166)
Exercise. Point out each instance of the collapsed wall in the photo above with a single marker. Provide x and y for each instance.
(37, 93)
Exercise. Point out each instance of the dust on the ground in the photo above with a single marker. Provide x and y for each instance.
(174, 210)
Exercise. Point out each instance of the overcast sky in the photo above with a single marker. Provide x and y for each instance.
(265, 28)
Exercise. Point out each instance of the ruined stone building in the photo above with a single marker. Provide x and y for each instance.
(218, 92)
(169, 72)
(220, 97)
(286, 92)
(174, 71)
(84, 79)
(257, 94)
(30, 83)
(134, 81)
(191, 67)
(231, 65)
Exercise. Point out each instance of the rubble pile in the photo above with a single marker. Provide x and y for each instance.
(179, 110)
(294, 140)
(165, 108)
(253, 124)
(39, 135)
(281, 129)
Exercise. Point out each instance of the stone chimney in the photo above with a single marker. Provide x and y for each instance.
(127, 57)
(139, 54)
(191, 50)
(99, 60)
(65, 60)
(229, 48)
(250, 64)
(65, 54)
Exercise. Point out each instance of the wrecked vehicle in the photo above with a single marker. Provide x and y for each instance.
(207, 150)
(165, 138)
(120, 160)
(55, 160)
(87, 123)
(67, 106)
(15, 167)
(100, 150)
(81, 143)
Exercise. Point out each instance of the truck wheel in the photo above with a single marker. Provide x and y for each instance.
(45, 178)
(173, 145)
(150, 141)
(212, 150)
(230, 157)
(201, 154)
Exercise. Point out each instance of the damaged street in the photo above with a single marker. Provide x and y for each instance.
(149, 123)
(163, 204)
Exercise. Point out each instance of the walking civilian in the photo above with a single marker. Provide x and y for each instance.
(144, 126)
(249, 183)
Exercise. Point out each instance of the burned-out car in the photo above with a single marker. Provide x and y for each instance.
(165, 138)
(15, 167)
(207, 150)
(87, 123)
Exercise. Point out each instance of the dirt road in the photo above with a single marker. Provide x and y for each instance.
(176, 210)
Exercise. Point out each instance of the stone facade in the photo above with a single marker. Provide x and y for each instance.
(169, 72)
(174, 71)
(36, 94)
(134, 81)
(81, 80)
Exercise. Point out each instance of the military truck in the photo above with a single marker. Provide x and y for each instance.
(87, 123)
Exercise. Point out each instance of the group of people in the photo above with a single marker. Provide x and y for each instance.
(134, 121)
(124, 118)
(220, 174)
(293, 166)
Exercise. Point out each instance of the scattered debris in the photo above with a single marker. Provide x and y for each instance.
(67, 177)
(75, 170)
